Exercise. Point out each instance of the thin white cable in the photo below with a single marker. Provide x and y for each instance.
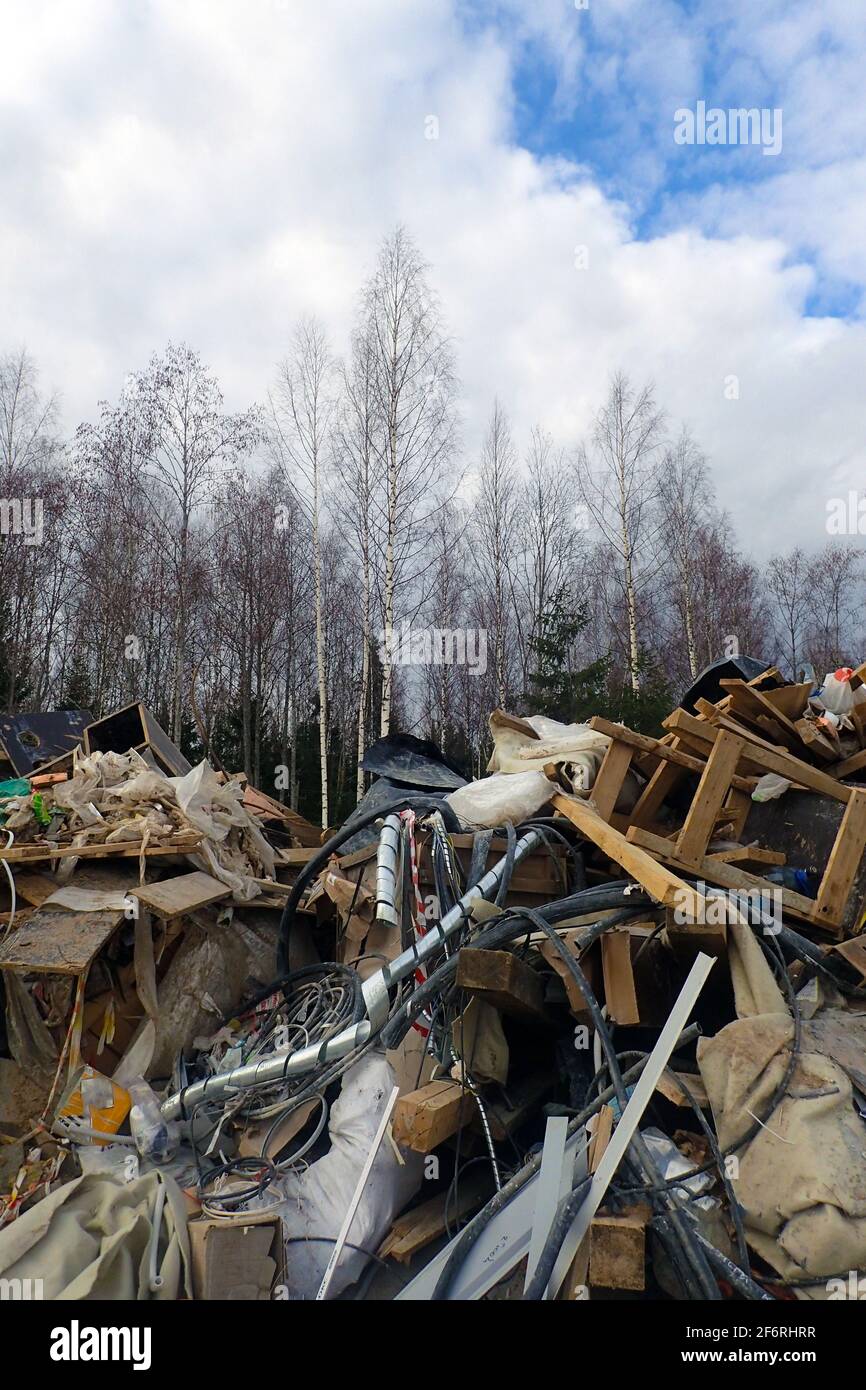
(9, 843)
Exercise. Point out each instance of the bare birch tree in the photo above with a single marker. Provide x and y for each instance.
(495, 526)
(302, 413)
(788, 580)
(163, 447)
(835, 581)
(413, 377)
(685, 505)
(356, 468)
(618, 485)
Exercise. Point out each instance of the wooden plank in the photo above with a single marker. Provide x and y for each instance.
(856, 763)
(617, 1252)
(668, 752)
(756, 701)
(854, 951)
(503, 980)
(746, 708)
(762, 756)
(40, 852)
(659, 787)
(844, 861)
(620, 994)
(416, 1228)
(35, 888)
(601, 1137)
(661, 884)
(789, 700)
(607, 786)
(673, 1090)
(819, 744)
(718, 872)
(175, 897)
(737, 807)
(297, 856)
(712, 789)
(751, 854)
(423, 1119)
(62, 943)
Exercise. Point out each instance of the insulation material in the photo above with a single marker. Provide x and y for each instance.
(530, 744)
(117, 798)
(495, 800)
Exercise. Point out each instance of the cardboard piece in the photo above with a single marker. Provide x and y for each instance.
(238, 1259)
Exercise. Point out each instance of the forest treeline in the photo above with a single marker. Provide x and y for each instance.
(283, 584)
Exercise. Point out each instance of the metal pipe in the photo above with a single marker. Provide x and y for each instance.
(375, 991)
(387, 860)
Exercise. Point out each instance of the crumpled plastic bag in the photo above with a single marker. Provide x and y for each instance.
(493, 801)
(215, 808)
(770, 787)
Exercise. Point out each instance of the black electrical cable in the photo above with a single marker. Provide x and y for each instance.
(234, 1198)
(778, 1095)
(550, 825)
(689, 1035)
(287, 983)
(632, 1055)
(715, 1150)
(508, 927)
(332, 1240)
(473, 1230)
(702, 1279)
(452, 1189)
(559, 1230)
(508, 870)
(478, 861)
(742, 1282)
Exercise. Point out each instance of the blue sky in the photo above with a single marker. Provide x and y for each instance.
(589, 86)
(210, 171)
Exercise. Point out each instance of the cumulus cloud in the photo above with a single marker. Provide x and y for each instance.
(210, 171)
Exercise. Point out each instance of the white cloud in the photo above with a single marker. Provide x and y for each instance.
(210, 171)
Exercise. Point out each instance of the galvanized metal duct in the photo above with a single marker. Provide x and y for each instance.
(375, 990)
(387, 863)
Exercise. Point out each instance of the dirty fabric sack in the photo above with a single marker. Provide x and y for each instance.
(91, 1240)
(802, 1179)
(317, 1200)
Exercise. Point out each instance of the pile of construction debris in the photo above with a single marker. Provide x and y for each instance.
(593, 1022)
